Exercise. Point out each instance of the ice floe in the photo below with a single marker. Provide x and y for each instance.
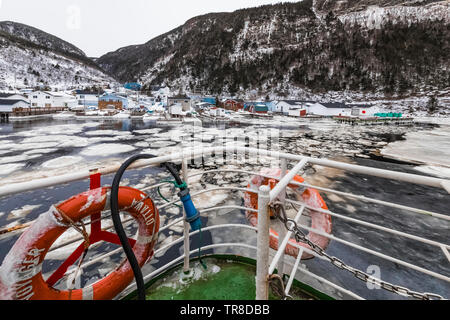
(22, 212)
(148, 131)
(19, 158)
(142, 144)
(423, 147)
(441, 172)
(7, 169)
(106, 149)
(41, 151)
(107, 133)
(62, 162)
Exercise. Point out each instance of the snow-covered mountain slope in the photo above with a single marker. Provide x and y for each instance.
(29, 57)
(39, 37)
(375, 17)
(377, 47)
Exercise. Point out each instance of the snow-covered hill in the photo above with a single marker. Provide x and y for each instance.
(375, 17)
(30, 57)
(373, 48)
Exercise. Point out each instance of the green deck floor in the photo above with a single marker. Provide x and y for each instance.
(222, 280)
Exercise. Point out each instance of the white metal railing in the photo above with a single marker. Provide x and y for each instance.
(266, 196)
(263, 217)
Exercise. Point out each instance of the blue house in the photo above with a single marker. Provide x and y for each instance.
(110, 100)
(256, 107)
(133, 86)
(271, 106)
(210, 100)
(87, 98)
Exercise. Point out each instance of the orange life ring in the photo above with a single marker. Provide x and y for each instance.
(21, 272)
(311, 197)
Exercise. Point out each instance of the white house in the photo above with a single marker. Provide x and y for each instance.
(329, 109)
(217, 112)
(160, 92)
(47, 99)
(12, 96)
(204, 105)
(297, 112)
(26, 91)
(7, 105)
(283, 106)
(365, 110)
(87, 98)
(176, 110)
(184, 101)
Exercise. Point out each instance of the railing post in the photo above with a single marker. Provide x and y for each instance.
(187, 248)
(283, 230)
(262, 266)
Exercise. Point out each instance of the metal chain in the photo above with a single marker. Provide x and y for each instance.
(278, 289)
(300, 236)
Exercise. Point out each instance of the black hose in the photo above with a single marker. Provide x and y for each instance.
(174, 172)
(119, 227)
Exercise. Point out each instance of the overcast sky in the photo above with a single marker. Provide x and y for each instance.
(101, 26)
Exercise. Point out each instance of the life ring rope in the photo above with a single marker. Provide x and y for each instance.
(320, 220)
(21, 272)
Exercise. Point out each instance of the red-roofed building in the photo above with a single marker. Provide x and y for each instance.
(234, 104)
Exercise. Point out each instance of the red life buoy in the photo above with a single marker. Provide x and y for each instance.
(21, 272)
(311, 197)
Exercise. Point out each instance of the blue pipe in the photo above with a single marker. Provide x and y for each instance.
(192, 214)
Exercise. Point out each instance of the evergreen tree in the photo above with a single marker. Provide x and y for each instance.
(432, 105)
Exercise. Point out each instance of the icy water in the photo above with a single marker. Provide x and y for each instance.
(38, 149)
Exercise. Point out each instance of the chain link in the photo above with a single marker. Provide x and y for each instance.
(277, 284)
(300, 236)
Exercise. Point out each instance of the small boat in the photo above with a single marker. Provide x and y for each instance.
(227, 271)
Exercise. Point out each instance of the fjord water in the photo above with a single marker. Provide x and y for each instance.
(38, 149)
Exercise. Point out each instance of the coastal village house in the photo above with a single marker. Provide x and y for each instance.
(161, 93)
(12, 96)
(299, 108)
(284, 106)
(87, 98)
(364, 110)
(234, 104)
(184, 101)
(176, 110)
(256, 107)
(217, 112)
(8, 105)
(110, 101)
(297, 112)
(204, 105)
(333, 109)
(47, 99)
(210, 100)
